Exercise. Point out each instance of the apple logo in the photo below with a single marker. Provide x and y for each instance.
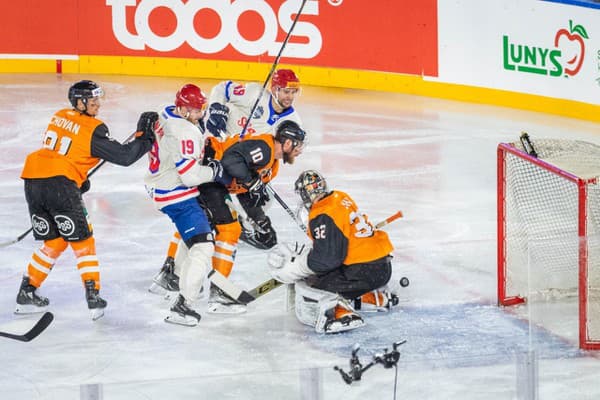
(572, 46)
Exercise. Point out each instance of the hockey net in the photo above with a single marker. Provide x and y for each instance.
(548, 229)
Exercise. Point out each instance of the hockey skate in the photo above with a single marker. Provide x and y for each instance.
(165, 283)
(376, 301)
(96, 304)
(28, 301)
(342, 318)
(182, 314)
(220, 303)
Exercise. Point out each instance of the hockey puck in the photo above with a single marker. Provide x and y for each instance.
(404, 282)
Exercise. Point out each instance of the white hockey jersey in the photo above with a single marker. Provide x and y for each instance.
(174, 170)
(240, 99)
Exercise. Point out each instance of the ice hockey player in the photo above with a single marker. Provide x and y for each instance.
(230, 106)
(348, 265)
(174, 173)
(251, 163)
(56, 176)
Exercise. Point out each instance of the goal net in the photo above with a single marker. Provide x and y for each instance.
(549, 226)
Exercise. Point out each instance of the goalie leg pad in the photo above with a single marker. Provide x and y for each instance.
(327, 312)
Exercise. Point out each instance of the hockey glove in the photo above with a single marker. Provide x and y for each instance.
(217, 119)
(257, 192)
(145, 125)
(263, 236)
(219, 173)
(287, 262)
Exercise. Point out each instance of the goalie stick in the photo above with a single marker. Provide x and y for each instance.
(240, 295)
(389, 219)
(271, 284)
(34, 332)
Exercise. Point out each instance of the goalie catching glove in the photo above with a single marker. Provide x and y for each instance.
(287, 262)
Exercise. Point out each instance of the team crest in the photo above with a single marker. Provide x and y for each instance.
(258, 112)
(40, 225)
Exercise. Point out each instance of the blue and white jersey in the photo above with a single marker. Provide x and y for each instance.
(175, 169)
(240, 99)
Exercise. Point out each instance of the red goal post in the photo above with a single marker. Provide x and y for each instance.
(548, 227)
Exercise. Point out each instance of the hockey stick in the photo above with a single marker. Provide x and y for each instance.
(229, 288)
(527, 145)
(298, 222)
(264, 288)
(271, 284)
(34, 332)
(262, 91)
(389, 219)
(96, 168)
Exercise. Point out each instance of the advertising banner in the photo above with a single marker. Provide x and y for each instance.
(384, 35)
(525, 46)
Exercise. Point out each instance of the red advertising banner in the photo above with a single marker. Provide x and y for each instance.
(384, 35)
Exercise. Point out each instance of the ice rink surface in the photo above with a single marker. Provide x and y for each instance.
(435, 160)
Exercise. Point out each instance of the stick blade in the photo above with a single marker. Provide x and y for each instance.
(34, 332)
(264, 288)
(38, 328)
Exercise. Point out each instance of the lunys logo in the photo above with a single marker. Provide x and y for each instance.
(229, 15)
(575, 54)
(564, 59)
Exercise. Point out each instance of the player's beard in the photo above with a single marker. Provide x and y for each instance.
(288, 158)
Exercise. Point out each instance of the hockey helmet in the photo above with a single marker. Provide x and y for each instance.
(190, 96)
(285, 78)
(290, 130)
(84, 90)
(309, 185)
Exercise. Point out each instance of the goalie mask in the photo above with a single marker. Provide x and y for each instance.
(310, 185)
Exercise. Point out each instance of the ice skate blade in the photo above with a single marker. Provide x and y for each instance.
(96, 313)
(219, 308)
(29, 309)
(157, 289)
(177, 319)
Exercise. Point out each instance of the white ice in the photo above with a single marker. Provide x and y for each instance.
(435, 160)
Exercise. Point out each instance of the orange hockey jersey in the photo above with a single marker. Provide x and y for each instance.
(266, 168)
(66, 149)
(342, 235)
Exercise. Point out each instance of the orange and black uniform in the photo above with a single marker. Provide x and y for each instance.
(243, 161)
(73, 144)
(349, 256)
